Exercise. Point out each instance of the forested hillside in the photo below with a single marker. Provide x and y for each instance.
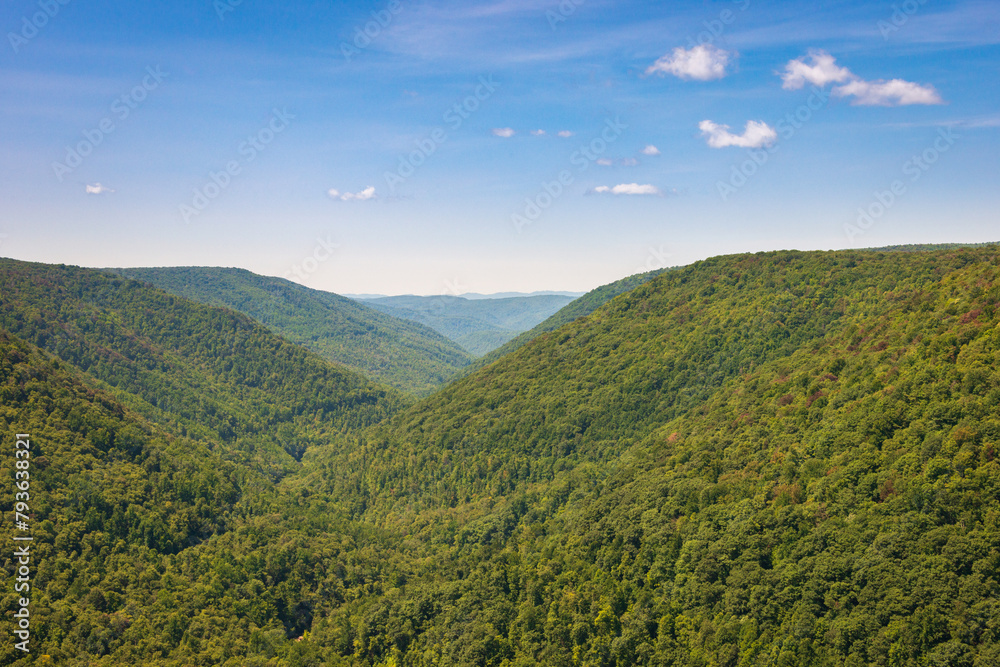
(150, 548)
(775, 459)
(577, 308)
(478, 325)
(208, 372)
(398, 352)
(784, 458)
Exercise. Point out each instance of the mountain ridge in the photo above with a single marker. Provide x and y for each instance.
(401, 353)
(478, 325)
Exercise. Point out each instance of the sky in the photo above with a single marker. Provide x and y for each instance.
(433, 147)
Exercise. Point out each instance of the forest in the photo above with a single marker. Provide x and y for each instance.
(393, 351)
(782, 458)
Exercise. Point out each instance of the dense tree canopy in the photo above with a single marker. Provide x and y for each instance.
(775, 459)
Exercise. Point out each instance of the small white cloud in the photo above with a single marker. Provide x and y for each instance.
(504, 132)
(604, 162)
(565, 134)
(628, 189)
(629, 162)
(650, 150)
(822, 71)
(98, 189)
(888, 93)
(704, 63)
(756, 134)
(364, 195)
(538, 133)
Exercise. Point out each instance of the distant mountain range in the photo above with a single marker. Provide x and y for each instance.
(473, 295)
(478, 325)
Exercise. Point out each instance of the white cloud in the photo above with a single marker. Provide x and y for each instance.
(538, 133)
(650, 150)
(822, 71)
(628, 189)
(888, 93)
(98, 189)
(756, 134)
(604, 162)
(629, 162)
(364, 195)
(565, 134)
(504, 132)
(704, 63)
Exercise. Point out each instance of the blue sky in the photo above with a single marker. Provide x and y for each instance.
(511, 145)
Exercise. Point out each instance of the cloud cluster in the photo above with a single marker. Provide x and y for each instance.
(508, 132)
(625, 161)
(823, 70)
(98, 189)
(703, 63)
(364, 195)
(755, 135)
(628, 189)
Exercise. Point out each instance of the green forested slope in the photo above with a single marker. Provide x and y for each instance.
(110, 496)
(208, 371)
(154, 549)
(478, 325)
(577, 308)
(818, 487)
(159, 426)
(394, 351)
